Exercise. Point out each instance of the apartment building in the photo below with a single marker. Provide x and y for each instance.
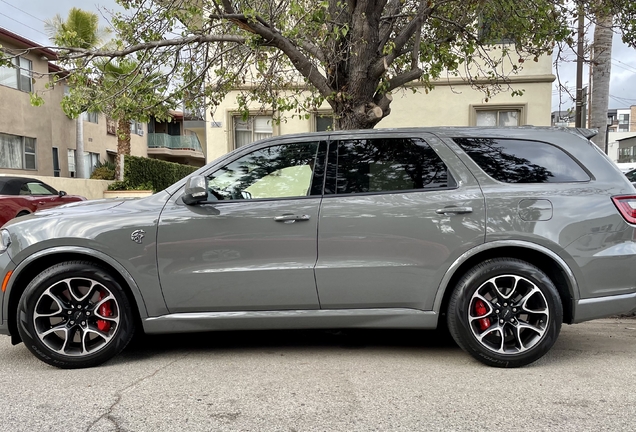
(41, 140)
(453, 102)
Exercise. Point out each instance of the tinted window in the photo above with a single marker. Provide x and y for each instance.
(40, 189)
(273, 172)
(379, 165)
(519, 161)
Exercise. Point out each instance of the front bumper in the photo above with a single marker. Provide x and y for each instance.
(6, 265)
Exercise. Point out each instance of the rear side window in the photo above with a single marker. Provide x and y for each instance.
(389, 164)
(520, 161)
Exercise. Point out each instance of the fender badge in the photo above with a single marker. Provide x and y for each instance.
(137, 236)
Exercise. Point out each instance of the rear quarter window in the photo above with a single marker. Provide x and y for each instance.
(522, 161)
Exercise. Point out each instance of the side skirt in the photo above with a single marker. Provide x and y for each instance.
(291, 319)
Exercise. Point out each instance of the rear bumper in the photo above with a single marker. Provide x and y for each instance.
(602, 307)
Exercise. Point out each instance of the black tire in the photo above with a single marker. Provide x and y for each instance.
(60, 298)
(22, 213)
(508, 339)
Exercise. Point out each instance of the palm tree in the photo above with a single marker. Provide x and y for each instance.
(80, 30)
(128, 92)
(601, 67)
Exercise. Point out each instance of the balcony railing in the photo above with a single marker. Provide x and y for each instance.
(174, 142)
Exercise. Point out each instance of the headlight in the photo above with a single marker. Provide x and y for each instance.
(5, 240)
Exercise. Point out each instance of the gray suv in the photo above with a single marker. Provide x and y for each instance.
(500, 234)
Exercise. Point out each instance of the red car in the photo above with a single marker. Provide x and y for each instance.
(20, 196)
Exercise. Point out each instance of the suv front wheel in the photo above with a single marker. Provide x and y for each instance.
(505, 312)
(75, 315)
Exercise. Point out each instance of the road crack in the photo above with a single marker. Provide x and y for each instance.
(108, 415)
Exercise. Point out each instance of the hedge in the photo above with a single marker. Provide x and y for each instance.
(141, 171)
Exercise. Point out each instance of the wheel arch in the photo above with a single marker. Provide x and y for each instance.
(546, 260)
(28, 269)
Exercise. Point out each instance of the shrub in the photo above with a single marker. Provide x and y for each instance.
(140, 172)
(104, 171)
(125, 185)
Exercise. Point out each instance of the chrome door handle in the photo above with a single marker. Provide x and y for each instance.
(291, 218)
(454, 210)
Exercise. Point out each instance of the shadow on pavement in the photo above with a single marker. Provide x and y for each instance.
(148, 345)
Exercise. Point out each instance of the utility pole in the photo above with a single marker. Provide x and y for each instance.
(578, 121)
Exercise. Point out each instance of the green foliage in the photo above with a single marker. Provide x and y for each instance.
(120, 185)
(104, 171)
(140, 172)
(293, 56)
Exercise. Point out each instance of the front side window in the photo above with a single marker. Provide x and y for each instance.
(281, 171)
(252, 129)
(520, 161)
(391, 164)
(36, 188)
(17, 152)
(19, 76)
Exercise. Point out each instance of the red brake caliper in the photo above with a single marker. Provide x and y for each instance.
(105, 311)
(480, 309)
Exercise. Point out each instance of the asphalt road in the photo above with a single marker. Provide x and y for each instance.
(327, 381)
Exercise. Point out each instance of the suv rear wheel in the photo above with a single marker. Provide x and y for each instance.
(505, 312)
(75, 315)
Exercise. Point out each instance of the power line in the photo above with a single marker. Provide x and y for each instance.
(23, 11)
(626, 65)
(19, 22)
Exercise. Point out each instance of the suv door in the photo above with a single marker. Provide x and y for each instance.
(398, 209)
(252, 244)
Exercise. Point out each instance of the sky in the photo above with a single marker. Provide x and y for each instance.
(26, 18)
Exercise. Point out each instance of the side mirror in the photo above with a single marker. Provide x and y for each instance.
(195, 190)
(62, 193)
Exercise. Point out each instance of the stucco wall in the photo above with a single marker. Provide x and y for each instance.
(450, 103)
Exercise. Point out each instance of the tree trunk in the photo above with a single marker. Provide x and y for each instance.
(123, 144)
(363, 116)
(601, 67)
(80, 169)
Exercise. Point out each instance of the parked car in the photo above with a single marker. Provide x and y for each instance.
(502, 234)
(626, 166)
(631, 176)
(21, 196)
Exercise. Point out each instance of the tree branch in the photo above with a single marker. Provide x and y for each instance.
(81, 53)
(400, 41)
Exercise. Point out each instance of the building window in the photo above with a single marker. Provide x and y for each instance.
(323, 122)
(71, 163)
(19, 76)
(137, 127)
(497, 116)
(91, 160)
(56, 162)
(17, 152)
(91, 117)
(253, 129)
(623, 122)
(111, 126)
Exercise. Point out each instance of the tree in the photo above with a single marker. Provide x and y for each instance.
(117, 88)
(80, 30)
(292, 55)
(601, 64)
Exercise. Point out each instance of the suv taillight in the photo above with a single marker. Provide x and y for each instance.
(626, 204)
